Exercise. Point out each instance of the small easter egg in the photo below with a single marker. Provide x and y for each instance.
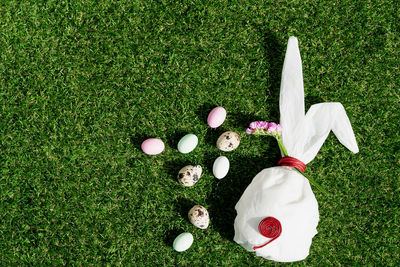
(189, 175)
(153, 146)
(183, 241)
(198, 216)
(221, 167)
(216, 117)
(187, 143)
(228, 141)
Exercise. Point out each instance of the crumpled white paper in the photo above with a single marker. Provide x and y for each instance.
(282, 192)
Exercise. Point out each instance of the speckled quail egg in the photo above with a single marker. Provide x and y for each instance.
(189, 175)
(198, 216)
(228, 141)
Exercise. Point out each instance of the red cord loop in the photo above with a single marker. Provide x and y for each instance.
(270, 228)
(292, 162)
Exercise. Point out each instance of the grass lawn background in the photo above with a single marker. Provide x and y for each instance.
(83, 83)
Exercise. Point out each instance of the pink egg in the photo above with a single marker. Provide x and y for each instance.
(216, 117)
(153, 146)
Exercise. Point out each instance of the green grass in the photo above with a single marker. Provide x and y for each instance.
(83, 83)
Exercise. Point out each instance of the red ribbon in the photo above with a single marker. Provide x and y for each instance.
(292, 162)
(270, 228)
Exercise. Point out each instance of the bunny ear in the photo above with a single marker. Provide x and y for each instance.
(314, 129)
(291, 102)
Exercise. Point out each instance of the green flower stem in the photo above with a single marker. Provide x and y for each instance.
(282, 147)
(285, 153)
(314, 183)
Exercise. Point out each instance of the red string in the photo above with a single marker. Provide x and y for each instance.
(292, 162)
(270, 228)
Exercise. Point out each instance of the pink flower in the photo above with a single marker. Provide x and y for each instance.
(258, 125)
(263, 124)
(253, 125)
(271, 127)
(279, 128)
(249, 131)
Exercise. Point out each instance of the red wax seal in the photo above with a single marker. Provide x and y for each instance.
(270, 228)
(292, 162)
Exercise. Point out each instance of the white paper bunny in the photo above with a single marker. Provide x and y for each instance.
(282, 192)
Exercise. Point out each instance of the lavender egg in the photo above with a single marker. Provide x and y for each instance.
(216, 117)
(153, 146)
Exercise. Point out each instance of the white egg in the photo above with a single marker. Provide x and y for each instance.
(221, 167)
(183, 241)
(187, 143)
